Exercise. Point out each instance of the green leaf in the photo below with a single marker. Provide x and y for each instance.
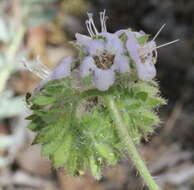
(87, 80)
(106, 152)
(72, 163)
(95, 168)
(43, 100)
(133, 104)
(31, 117)
(32, 126)
(156, 101)
(76, 129)
(143, 39)
(62, 153)
(147, 118)
(142, 96)
(50, 148)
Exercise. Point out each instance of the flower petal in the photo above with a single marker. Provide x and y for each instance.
(132, 47)
(82, 39)
(103, 79)
(105, 34)
(147, 70)
(121, 63)
(114, 45)
(87, 66)
(96, 47)
(119, 32)
(62, 70)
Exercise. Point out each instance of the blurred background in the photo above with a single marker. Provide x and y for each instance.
(43, 27)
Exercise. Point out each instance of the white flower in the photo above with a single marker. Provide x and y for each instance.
(142, 56)
(105, 54)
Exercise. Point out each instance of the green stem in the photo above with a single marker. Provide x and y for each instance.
(123, 132)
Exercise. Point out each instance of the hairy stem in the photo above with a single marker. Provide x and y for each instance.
(123, 133)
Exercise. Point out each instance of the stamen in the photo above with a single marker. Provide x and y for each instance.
(89, 28)
(105, 19)
(37, 68)
(44, 68)
(166, 44)
(158, 32)
(90, 16)
(101, 21)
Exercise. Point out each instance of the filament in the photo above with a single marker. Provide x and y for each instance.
(166, 44)
(92, 25)
(158, 32)
(103, 20)
(37, 68)
(88, 25)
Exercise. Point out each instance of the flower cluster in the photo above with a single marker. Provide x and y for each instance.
(107, 54)
(101, 104)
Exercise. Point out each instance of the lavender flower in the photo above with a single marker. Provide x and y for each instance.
(105, 54)
(142, 56)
